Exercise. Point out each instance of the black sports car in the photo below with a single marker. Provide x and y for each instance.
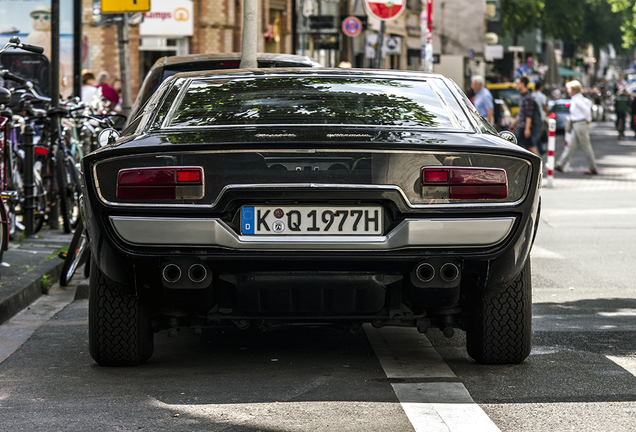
(261, 197)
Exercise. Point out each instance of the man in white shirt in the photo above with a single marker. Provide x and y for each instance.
(580, 117)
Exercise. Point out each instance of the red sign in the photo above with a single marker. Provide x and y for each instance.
(385, 9)
(351, 26)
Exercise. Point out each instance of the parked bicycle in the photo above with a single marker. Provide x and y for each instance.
(8, 181)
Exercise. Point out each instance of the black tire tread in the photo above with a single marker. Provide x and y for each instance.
(501, 329)
(119, 330)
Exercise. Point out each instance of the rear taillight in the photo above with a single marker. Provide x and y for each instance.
(41, 151)
(163, 183)
(466, 182)
(552, 115)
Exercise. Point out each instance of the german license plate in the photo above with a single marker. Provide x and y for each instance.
(314, 220)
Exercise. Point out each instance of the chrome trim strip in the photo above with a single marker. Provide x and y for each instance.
(176, 103)
(410, 233)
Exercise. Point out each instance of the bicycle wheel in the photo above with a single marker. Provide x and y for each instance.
(69, 190)
(76, 255)
(39, 208)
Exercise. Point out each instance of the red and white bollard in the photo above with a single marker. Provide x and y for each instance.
(551, 146)
(567, 137)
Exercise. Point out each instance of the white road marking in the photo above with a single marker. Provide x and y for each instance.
(627, 363)
(430, 406)
(540, 252)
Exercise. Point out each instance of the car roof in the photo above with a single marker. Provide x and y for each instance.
(314, 71)
(193, 58)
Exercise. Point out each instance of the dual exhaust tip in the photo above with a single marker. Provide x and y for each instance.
(172, 273)
(425, 272)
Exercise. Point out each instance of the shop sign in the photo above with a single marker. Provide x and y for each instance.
(168, 18)
(123, 6)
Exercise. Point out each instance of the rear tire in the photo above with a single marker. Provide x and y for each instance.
(119, 332)
(501, 326)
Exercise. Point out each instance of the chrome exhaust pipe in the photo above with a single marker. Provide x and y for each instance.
(171, 273)
(197, 273)
(425, 272)
(449, 272)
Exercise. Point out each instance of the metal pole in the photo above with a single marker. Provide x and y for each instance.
(77, 48)
(29, 185)
(250, 25)
(55, 54)
(124, 63)
(378, 50)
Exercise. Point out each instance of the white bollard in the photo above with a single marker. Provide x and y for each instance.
(568, 135)
(551, 146)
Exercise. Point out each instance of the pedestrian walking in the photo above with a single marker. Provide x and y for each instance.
(621, 105)
(523, 121)
(108, 92)
(580, 119)
(542, 103)
(89, 90)
(483, 99)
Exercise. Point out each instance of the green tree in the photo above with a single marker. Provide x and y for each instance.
(584, 22)
(520, 16)
(627, 11)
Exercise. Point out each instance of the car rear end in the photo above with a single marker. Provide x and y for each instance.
(308, 222)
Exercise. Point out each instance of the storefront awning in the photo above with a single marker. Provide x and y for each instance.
(565, 72)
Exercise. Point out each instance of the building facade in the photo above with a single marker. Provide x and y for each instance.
(308, 27)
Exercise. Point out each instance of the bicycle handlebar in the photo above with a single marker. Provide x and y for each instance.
(32, 48)
(14, 42)
(5, 74)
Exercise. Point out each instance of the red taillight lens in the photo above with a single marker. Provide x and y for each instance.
(189, 176)
(164, 183)
(468, 183)
(42, 151)
(431, 175)
(567, 105)
(552, 115)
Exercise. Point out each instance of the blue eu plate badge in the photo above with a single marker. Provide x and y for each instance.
(247, 220)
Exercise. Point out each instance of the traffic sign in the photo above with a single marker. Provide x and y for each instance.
(351, 26)
(385, 10)
(124, 6)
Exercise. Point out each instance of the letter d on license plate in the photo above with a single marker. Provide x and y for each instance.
(312, 220)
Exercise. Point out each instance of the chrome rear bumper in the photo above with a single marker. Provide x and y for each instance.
(411, 233)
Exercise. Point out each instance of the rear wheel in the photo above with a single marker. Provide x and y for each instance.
(501, 326)
(119, 332)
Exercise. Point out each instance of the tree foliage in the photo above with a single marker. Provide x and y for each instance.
(520, 16)
(579, 22)
(627, 10)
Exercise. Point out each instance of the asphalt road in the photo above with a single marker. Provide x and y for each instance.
(581, 374)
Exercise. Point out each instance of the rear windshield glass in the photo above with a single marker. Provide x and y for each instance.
(312, 100)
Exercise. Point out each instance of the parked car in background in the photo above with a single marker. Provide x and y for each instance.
(509, 93)
(559, 110)
(258, 198)
(167, 66)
